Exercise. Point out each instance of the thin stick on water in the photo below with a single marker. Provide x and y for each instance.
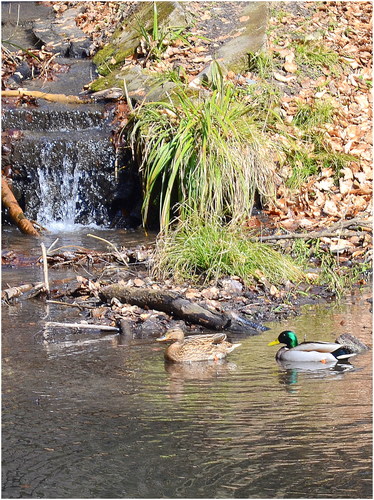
(116, 251)
(45, 268)
(83, 326)
(53, 244)
(103, 239)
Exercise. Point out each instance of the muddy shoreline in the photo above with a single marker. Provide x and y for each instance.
(83, 301)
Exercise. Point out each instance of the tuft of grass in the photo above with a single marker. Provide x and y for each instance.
(313, 115)
(201, 153)
(261, 63)
(200, 250)
(314, 55)
(157, 39)
(306, 150)
(303, 163)
(263, 99)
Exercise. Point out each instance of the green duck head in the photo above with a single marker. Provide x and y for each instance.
(287, 337)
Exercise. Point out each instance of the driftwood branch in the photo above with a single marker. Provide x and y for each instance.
(15, 211)
(309, 236)
(62, 98)
(15, 291)
(179, 307)
(84, 326)
(334, 231)
(29, 290)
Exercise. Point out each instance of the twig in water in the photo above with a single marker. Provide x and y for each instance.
(83, 326)
(68, 304)
(45, 268)
(116, 251)
(53, 244)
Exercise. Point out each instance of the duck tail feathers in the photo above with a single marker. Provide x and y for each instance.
(343, 354)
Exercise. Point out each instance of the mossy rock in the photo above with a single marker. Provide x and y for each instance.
(126, 38)
(235, 53)
(232, 55)
(140, 83)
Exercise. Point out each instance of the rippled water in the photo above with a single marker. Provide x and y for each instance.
(96, 416)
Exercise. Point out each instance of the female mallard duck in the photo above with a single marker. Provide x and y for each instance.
(197, 347)
(323, 352)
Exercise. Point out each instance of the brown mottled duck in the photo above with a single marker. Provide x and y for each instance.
(211, 347)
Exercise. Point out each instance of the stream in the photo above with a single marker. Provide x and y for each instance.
(101, 416)
(94, 415)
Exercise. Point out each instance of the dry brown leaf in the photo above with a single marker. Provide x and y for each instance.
(362, 101)
(345, 186)
(283, 78)
(325, 184)
(330, 208)
(290, 67)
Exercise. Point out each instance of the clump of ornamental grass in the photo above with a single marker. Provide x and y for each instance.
(204, 151)
(201, 250)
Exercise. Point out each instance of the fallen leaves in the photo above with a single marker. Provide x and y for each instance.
(283, 78)
(337, 192)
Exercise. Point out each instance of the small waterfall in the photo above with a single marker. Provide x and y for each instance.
(59, 196)
(63, 166)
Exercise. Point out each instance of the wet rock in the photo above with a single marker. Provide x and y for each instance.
(62, 35)
(127, 327)
(23, 71)
(231, 286)
(152, 326)
(352, 343)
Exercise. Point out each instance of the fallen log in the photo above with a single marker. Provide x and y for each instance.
(15, 212)
(62, 98)
(179, 307)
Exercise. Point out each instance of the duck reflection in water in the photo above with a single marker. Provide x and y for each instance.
(200, 371)
(289, 374)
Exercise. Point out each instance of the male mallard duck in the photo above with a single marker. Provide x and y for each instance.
(197, 347)
(324, 352)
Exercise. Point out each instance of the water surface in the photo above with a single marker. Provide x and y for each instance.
(96, 416)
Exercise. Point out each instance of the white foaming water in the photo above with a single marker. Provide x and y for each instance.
(60, 200)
